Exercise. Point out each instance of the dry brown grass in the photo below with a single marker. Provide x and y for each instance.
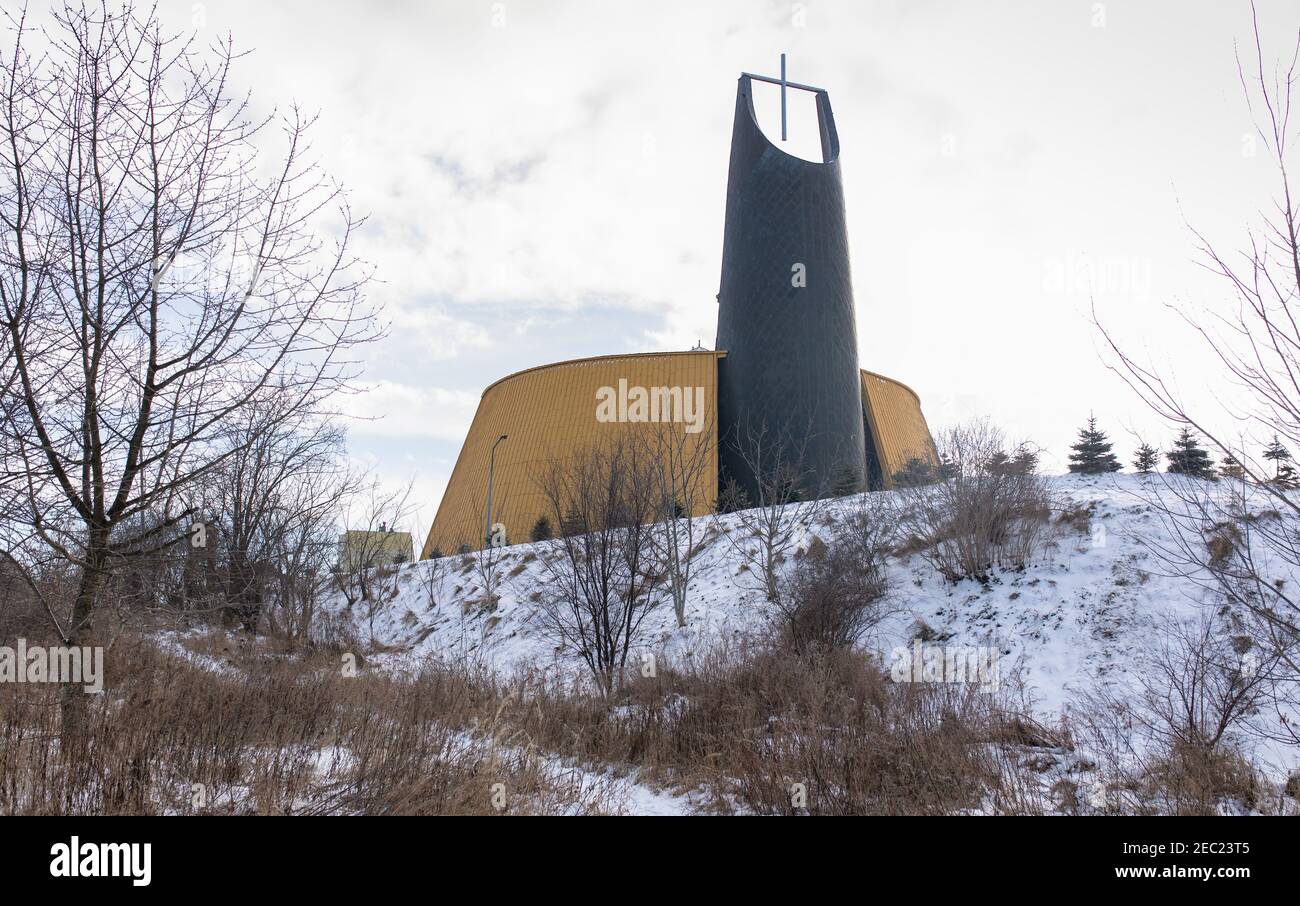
(746, 729)
(272, 737)
(273, 734)
(1078, 518)
(1221, 544)
(743, 728)
(1193, 780)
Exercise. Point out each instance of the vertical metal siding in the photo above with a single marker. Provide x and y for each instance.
(894, 412)
(550, 412)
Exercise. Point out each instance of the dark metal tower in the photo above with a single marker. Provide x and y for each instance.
(785, 314)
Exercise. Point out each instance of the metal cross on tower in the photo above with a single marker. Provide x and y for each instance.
(784, 83)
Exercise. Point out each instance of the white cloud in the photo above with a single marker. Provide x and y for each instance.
(387, 409)
(577, 158)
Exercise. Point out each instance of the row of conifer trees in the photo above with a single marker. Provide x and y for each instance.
(1092, 455)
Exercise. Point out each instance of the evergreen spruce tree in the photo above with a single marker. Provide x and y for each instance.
(915, 473)
(999, 463)
(1025, 461)
(1092, 454)
(845, 482)
(1229, 467)
(731, 498)
(946, 469)
(572, 523)
(541, 530)
(1279, 455)
(1189, 458)
(1146, 459)
(1021, 461)
(1286, 477)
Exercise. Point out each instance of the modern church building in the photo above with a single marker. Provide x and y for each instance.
(782, 386)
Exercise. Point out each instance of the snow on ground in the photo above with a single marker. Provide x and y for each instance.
(172, 642)
(1075, 618)
(1071, 622)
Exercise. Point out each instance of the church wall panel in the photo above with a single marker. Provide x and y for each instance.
(897, 424)
(549, 412)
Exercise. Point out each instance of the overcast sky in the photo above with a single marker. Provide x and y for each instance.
(546, 180)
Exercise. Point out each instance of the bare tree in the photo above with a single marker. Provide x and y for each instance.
(373, 548)
(435, 571)
(1199, 683)
(273, 507)
(1241, 543)
(1167, 738)
(987, 511)
(683, 482)
(836, 593)
(768, 527)
(488, 554)
(156, 278)
(602, 573)
(306, 551)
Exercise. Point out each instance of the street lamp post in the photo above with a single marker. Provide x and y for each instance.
(492, 461)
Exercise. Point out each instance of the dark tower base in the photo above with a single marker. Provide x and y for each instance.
(789, 395)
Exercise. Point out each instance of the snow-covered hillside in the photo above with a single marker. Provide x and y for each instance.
(1074, 621)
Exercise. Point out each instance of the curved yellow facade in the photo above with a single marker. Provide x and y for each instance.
(552, 411)
(547, 412)
(895, 424)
